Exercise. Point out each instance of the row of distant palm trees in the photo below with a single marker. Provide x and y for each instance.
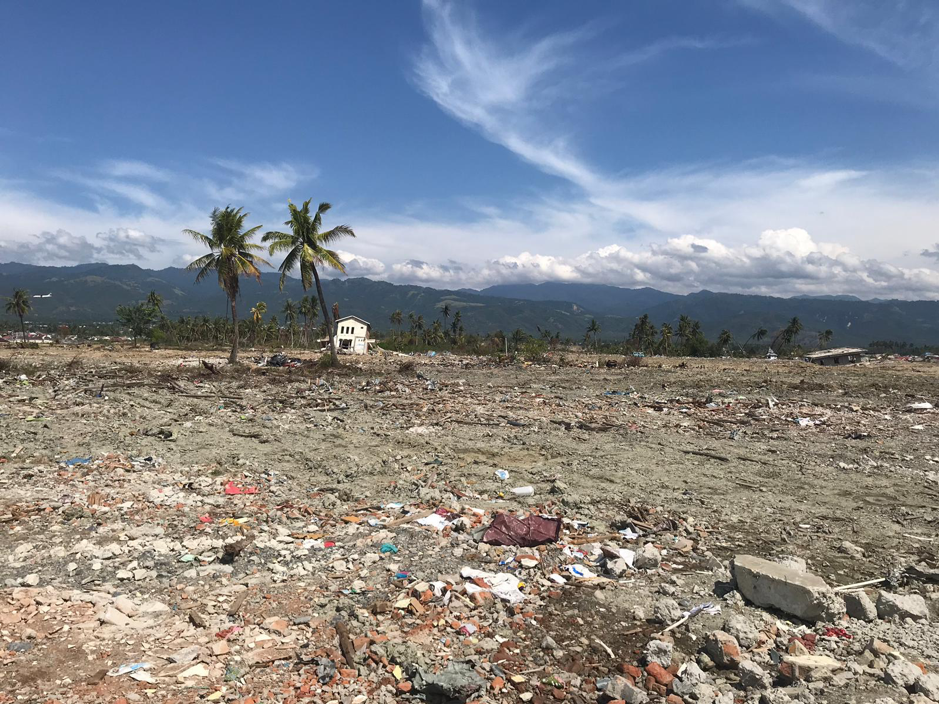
(233, 255)
(434, 334)
(645, 337)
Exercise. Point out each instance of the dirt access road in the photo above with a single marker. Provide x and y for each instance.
(766, 458)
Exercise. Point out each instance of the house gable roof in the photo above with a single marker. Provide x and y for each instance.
(354, 317)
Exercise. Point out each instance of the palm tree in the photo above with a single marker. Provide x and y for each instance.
(231, 255)
(593, 330)
(155, 301)
(518, 337)
(306, 246)
(824, 338)
(666, 333)
(257, 317)
(290, 317)
(19, 304)
(446, 313)
(396, 319)
(684, 329)
(724, 339)
(790, 332)
(758, 335)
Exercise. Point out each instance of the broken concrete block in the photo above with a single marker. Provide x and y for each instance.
(810, 668)
(126, 606)
(263, 656)
(902, 673)
(648, 557)
(902, 606)
(860, 606)
(723, 649)
(658, 651)
(621, 688)
(928, 686)
(770, 584)
(753, 676)
(114, 617)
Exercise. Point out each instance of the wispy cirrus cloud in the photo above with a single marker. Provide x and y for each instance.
(903, 33)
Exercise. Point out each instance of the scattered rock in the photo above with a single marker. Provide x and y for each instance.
(752, 676)
(648, 557)
(723, 649)
(902, 673)
(658, 651)
(860, 606)
(810, 668)
(901, 606)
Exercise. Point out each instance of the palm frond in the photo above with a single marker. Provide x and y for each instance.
(336, 233)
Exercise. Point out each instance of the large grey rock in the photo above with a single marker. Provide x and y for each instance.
(770, 584)
(860, 606)
(753, 676)
(928, 686)
(902, 673)
(902, 606)
(666, 611)
(688, 680)
(742, 629)
(648, 557)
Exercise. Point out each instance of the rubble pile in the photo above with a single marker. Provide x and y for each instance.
(160, 564)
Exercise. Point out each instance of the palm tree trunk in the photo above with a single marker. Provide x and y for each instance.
(233, 357)
(334, 358)
(23, 330)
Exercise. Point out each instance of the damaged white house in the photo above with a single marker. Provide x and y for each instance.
(351, 336)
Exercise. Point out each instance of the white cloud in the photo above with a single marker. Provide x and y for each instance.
(261, 179)
(130, 168)
(51, 248)
(361, 266)
(129, 243)
(782, 262)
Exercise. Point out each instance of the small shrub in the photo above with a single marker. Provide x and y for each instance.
(406, 367)
(634, 361)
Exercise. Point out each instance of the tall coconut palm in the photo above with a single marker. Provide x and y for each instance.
(446, 313)
(290, 317)
(306, 247)
(789, 333)
(257, 317)
(666, 333)
(231, 255)
(760, 333)
(19, 305)
(825, 337)
(593, 330)
(684, 328)
(396, 319)
(724, 339)
(155, 301)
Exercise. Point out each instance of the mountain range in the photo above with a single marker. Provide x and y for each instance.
(88, 293)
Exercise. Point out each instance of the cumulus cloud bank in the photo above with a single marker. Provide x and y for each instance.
(780, 262)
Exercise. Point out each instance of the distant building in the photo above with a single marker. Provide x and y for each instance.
(836, 357)
(771, 355)
(31, 337)
(351, 336)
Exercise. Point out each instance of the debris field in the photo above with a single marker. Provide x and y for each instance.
(452, 529)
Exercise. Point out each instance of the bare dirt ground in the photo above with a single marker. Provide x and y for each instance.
(139, 552)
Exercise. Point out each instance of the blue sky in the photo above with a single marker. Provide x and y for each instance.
(741, 145)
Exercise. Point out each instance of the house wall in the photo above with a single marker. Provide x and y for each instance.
(352, 336)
